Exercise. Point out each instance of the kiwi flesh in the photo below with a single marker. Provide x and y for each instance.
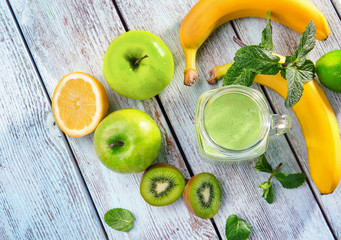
(202, 195)
(162, 184)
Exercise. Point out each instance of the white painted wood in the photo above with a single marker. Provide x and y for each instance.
(42, 195)
(337, 5)
(285, 41)
(295, 213)
(70, 36)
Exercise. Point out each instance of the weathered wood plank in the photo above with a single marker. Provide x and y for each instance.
(337, 5)
(295, 213)
(70, 36)
(42, 195)
(285, 41)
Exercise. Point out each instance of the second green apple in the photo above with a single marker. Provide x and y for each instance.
(138, 65)
(127, 141)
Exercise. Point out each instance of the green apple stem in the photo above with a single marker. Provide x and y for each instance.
(118, 143)
(138, 61)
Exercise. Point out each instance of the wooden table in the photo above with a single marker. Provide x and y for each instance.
(54, 187)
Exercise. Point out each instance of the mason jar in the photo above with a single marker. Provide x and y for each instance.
(243, 112)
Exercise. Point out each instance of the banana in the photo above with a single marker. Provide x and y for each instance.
(319, 127)
(207, 15)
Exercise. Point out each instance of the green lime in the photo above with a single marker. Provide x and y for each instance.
(328, 69)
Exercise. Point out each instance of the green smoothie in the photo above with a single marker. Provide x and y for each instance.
(233, 120)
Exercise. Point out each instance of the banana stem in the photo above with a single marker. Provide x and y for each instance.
(218, 72)
(190, 72)
(239, 42)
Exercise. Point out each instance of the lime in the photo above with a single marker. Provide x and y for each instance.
(328, 69)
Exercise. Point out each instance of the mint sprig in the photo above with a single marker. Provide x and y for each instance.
(268, 193)
(237, 228)
(293, 180)
(119, 219)
(258, 59)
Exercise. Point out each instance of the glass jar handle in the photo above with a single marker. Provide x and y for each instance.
(280, 124)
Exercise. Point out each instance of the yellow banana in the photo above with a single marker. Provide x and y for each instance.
(207, 15)
(319, 127)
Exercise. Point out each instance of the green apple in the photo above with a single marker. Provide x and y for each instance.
(127, 141)
(138, 65)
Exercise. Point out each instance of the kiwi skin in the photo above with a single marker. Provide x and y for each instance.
(159, 165)
(186, 194)
(187, 199)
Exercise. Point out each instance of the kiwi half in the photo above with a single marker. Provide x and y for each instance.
(162, 184)
(202, 195)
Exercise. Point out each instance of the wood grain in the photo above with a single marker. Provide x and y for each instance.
(42, 195)
(285, 44)
(295, 213)
(337, 6)
(68, 36)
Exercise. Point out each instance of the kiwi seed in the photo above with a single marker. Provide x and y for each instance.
(162, 184)
(202, 195)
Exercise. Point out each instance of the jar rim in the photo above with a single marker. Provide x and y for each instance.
(253, 94)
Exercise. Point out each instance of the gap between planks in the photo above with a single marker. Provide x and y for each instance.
(80, 175)
(338, 11)
(177, 142)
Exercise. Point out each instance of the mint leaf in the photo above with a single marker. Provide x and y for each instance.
(257, 59)
(297, 69)
(267, 35)
(238, 75)
(263, 166)
(119, 219)
(306, 44)
(307, 70)
(268, 193)
(290, 181)
(295, 85)
(237, 228)
(296, 76)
